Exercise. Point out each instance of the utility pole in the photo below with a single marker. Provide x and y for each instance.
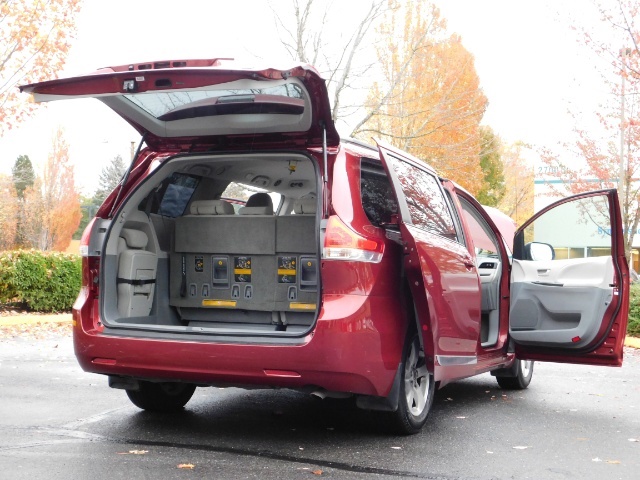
(624, 54)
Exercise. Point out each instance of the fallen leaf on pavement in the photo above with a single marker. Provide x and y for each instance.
(613, 462)
(134, 452)
(187, 466)
(317, 472)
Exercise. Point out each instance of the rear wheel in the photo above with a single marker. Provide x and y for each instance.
(416, 390)
(161, 397)
(520, 376)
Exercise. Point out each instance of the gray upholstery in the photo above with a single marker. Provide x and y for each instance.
(211, 207)
(296, 234)
(209, 248)
(258, 204)
(305, 206)
(133, 238)
(136, 274)
(246, 235)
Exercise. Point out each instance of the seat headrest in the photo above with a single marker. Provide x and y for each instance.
(258, 204)
(211, 207)
(304, 206)
(134, 238)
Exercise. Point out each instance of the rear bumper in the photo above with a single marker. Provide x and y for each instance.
(355, 347)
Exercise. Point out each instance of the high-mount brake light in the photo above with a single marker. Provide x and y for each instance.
(86, 237)
(342, 243)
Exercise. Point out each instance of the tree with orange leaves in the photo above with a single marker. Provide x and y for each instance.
(8, 213)
(35, 37)
(52, 205)
(430, 102)
(608, 156)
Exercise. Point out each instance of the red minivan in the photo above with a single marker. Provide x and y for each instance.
(351, 270)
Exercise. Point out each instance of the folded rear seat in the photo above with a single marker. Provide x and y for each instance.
(224, 262)
(297, 257)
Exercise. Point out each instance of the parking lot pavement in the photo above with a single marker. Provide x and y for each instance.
(57, 422)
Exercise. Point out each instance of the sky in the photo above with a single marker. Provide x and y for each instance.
(530, 66)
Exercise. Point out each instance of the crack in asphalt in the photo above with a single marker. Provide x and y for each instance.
(347, 467)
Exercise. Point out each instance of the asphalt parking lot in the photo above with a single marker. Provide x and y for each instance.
(59, 422)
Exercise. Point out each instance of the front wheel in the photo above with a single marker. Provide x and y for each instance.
(161, 397)
(520, 376)
(416, 390)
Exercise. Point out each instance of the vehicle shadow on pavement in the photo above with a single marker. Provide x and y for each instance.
(287, 416)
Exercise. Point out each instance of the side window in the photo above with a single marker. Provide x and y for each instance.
(171, 197)
(427, 205)
(576, 229)
(378, 199)
(483, 238)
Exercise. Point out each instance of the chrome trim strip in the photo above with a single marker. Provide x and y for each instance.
(450, 360)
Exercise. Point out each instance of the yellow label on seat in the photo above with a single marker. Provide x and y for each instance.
(287, 271)
(242, 271)
(302, 306)
(219, 303)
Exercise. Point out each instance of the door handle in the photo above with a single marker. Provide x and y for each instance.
(549, 284)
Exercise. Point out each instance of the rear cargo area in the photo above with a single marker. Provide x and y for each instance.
(184, 256)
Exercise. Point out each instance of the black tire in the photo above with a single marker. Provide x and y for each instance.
(417, 388)
(520, 376)
(161, 397)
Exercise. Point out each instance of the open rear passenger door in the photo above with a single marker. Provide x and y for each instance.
(438, 267)
(570, 283)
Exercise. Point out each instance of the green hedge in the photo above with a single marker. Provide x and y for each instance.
(40, 281)
(633, 329)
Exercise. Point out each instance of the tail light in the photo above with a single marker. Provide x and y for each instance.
(90, 263)
(86, 237)
(342, 243)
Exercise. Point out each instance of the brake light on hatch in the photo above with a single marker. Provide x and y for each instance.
(342, 243)
(86, 237)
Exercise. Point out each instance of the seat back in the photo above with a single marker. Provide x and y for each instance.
(136, 274)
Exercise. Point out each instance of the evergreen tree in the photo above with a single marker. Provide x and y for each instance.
(23, 174)
(110, 177)
(493, 185)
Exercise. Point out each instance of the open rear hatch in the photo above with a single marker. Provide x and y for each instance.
(176, 259)
(192, 103)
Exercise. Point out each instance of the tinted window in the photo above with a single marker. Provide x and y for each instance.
(378, 199)
(483, 238)
(427, 205)
(172, 196)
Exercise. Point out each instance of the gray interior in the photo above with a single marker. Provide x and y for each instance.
(560, 302)
(216, 267)
(490, 272)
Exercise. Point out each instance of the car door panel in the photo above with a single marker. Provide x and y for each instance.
(571, 310)
(560, 302)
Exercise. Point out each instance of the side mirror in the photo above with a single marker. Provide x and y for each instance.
(539, 251)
